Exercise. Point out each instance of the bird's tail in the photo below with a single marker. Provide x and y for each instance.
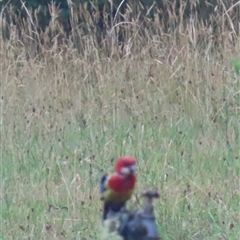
(111, 209)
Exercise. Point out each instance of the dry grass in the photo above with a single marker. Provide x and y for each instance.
(70, 106)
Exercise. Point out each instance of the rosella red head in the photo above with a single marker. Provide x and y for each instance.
(125, 165)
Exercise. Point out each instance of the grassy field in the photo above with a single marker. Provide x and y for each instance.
(67, 115)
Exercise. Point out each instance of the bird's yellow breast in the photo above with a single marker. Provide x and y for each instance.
(110, 195)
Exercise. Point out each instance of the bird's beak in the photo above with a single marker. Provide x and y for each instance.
(132, 168)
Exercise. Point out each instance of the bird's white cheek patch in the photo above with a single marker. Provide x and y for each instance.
(125, 171)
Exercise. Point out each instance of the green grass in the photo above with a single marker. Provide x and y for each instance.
(66, 116)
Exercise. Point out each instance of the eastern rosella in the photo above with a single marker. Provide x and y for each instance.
(118, 187)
